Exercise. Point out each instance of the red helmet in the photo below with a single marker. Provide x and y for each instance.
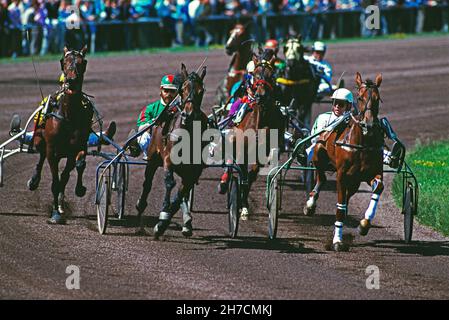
(272, 44)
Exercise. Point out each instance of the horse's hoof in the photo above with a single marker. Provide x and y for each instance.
(33, 183)
(187, 230)
(244, 214)
(80, 191)
(309, 211)
(160, 228)
(222, 187)
(56, 218)
(364, 227)
(141, 206)
(340, 247)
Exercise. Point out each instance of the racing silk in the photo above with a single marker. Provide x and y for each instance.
(280, 65)
(150, 112)
(239, 109)
(321, 122)
(323, 67)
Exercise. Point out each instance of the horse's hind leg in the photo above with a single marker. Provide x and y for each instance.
(245, 192)
(150, 170)
(377, 189)
(320, 162)
(33, 182)
(340, 215)
(170, 183)
(80, 165)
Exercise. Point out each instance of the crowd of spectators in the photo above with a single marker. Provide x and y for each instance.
(42, 26)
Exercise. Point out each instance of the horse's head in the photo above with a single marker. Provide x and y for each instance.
(263, 82)
(368, 101)
(236, 38)
(191, 92)
(294, 51)
(73, 65)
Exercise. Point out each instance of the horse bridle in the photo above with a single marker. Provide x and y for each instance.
(73, 64)
(264, 64)
(192, 98)
(370, 87)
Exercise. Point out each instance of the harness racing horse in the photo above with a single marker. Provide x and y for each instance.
(355, 149)
(239, 46)
(65, 133)
(262, 116)
(301, 82)
(164, 146)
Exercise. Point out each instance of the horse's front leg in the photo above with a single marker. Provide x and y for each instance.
(53, 162)
(65, 176)
(245, 191)
(170, 183)
(165, 217)
(80, 164)
(377, 187)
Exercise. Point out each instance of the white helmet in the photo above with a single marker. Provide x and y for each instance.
(343, 94)
(250, 67)
(319, 46)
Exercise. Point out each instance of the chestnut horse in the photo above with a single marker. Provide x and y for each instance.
(162, 150)
(261, 117)
(355, 150)
(239, 46)
(67, 126)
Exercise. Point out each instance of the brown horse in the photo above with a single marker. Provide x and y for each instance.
(261, 117)
(239, 46)
(66, 131)
(162, 149)
(355, 151)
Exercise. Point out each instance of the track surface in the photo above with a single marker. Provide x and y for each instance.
(122, 265)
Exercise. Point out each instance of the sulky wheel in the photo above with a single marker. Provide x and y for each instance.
(274, 207)
(234, 207)
(409, 205)
(121, 190)
(103, 197)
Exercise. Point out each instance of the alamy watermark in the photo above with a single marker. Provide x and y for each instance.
(73, 280)
(73, 20)
(229, 146)
(372, 17)
(373, 280)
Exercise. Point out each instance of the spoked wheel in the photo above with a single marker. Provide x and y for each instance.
(121, 190)
(103, 198)
(234, 207)
(409, 211)
(274, 207)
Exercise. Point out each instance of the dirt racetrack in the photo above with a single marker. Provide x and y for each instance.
(122, 265)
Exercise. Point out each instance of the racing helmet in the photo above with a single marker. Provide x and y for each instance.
(167, 82)
(272, 44)
(343, 94)
(319, 46)
(250, 67)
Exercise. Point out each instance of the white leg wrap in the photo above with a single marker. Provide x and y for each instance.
(371, 211)
(342, 207)
(164, 215)
(311, 202)
(338, 232)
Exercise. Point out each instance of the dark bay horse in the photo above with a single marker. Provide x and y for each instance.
(355, 150)
(263, 117)
(239, 46)
(301, 82)
(162, 150)
(66, 131)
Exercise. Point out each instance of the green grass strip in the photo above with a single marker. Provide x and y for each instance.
(182, 49)
(430, 164)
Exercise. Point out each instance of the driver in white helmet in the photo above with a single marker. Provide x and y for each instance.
(322, 67)
(342, 100)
